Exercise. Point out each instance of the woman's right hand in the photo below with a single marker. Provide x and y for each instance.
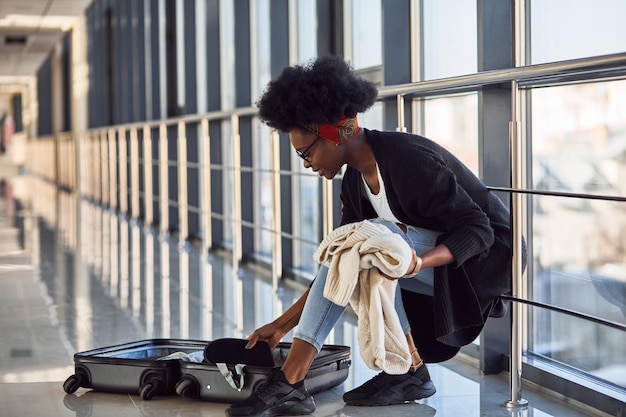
(273, 332)
(270, 333)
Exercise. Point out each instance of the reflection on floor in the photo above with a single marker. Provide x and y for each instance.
(74, 277)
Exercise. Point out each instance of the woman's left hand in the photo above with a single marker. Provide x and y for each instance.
(414, 268)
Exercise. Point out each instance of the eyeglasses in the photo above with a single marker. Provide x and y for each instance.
(306, 153)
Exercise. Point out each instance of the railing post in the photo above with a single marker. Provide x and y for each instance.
(400, 103)
(327, 207)
(237, 221)
(112, 170)
(123, 169)
(148, 192)
(517, 287)
(183, 206)
(277, 250)
(148, 274)
(134, 173)
(163, 183)
(204, 158)
(97, 167)
(105, 195)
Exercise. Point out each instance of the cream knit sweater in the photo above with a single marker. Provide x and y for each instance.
(356, 254)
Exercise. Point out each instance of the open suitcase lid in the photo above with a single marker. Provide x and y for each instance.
(231, 357)
(234, 351)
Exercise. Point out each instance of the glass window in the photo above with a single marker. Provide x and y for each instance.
(569, 29)
(366, 33)
(227, 54)
(264, 185)
(307, 30)
(201, 56)
(578, 136)
(306, 203)
(453, 123)
(180, 55)
(450, 38)
(373, 118)
(260, 12)
(228, 101)
(261, 51)
(307, 226)
(306, 185)
(578, 256)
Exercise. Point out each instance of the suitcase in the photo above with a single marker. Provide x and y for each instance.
(132, 368)
(206, 381)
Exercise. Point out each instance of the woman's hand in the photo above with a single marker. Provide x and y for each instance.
(270, 333)
(414, 268)
(273, 332)
(438, 256)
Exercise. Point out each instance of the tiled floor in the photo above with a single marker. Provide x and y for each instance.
(74, 277)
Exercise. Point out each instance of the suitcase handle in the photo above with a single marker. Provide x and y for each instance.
(233, 374)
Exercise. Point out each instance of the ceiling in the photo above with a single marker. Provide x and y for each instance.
(30, 29)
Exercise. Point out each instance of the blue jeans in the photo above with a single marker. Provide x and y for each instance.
(320, 314)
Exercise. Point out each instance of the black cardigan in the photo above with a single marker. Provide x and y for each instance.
(429, 187)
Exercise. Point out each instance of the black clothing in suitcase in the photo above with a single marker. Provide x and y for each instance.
(231, 382)
(132, 368)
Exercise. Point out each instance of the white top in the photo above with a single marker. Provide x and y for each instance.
(379, 201)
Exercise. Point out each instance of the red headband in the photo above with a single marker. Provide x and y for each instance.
(346, 128)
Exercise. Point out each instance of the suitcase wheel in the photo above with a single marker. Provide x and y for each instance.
(150, 385)
(74, 382)
(148, 390)
(187, 388)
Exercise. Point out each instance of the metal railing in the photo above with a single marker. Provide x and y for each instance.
(608, 67)
(605, 66)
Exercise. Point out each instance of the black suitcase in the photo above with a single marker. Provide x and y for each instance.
(132, 368)
(206, 381)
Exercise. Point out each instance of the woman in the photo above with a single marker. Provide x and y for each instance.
(459, 232)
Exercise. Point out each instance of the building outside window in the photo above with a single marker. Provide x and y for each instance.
(578, 146)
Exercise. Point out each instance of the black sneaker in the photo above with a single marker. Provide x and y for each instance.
(275, 397)
(385, 389)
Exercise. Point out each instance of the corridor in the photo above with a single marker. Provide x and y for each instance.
(76, 276)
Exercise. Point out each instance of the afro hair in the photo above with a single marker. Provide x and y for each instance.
(323, 90)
